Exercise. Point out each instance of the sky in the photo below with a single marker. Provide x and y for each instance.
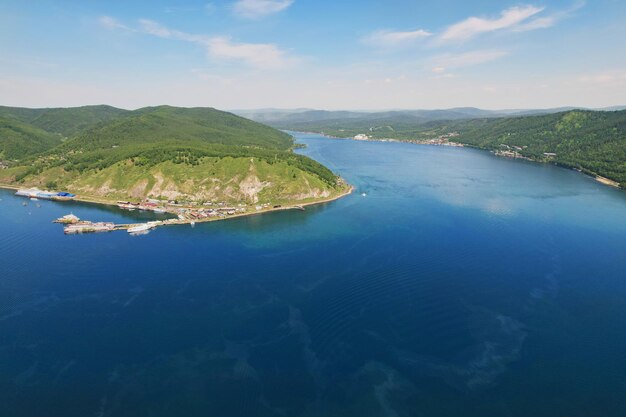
(359, 55)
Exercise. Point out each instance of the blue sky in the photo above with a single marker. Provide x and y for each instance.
(235, 54)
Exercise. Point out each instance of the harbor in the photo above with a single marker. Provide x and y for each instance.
(180, 213)
(36, 193)
(74, 225)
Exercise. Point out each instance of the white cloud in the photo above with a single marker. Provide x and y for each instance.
(474, 26)
(440, 72)
(466, 59)
(255, 9)
(538, 23)
(153, 28)
(111, 23)
(387, 38)
(543, 22)
(606, 78)
(257, 55)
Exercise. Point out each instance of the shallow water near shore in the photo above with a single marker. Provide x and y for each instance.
(450, 283)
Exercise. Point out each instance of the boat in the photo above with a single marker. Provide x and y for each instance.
(45, 195)
(127, 206)
(159, 210)
(30, 192)
(143, 232)
(34, 199)
(35, 194)
(364, 194)
(142, 227)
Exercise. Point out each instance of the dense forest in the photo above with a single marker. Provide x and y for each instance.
(36, 143)
(592, 141)
(19, 139)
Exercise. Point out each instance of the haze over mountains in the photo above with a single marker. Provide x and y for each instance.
(279, 117)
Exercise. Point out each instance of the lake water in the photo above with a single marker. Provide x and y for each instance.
(460, 284)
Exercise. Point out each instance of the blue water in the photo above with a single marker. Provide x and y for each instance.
(461, 284)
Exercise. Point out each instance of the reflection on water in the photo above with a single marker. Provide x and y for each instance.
(462, 284)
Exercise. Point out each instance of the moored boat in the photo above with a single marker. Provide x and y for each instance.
(142, 227)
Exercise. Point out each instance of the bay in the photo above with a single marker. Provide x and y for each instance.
(450, 283)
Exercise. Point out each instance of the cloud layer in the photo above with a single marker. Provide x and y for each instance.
(256, 55)
(474, 26)
(388, 38)
(255, 9)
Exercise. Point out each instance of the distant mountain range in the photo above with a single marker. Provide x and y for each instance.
(593, 141)
(288, 117)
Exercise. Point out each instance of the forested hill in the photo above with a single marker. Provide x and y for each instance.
(592, 141)
(19, 139)
(65, 122)
(165, 124)
(164, 151)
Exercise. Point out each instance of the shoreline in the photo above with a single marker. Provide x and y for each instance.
(597, 177)
(170, 222)
(389, 140)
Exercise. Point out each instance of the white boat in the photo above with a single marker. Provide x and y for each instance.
(143, 232)
(159, 210)
(30, 192)
(142, 227)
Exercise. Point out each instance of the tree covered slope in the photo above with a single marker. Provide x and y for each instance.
(191, 126)
(19, 139)
(192, 154)
(64, 121)
(592, 141)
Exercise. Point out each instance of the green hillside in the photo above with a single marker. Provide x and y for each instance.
(64, 121)
(19, 139)
(179, 125)
(592, 141)
(193, 154)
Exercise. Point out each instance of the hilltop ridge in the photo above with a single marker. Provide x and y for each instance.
(592, 141)
(191, 154)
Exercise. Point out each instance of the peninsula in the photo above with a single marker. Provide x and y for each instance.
(197, 164)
